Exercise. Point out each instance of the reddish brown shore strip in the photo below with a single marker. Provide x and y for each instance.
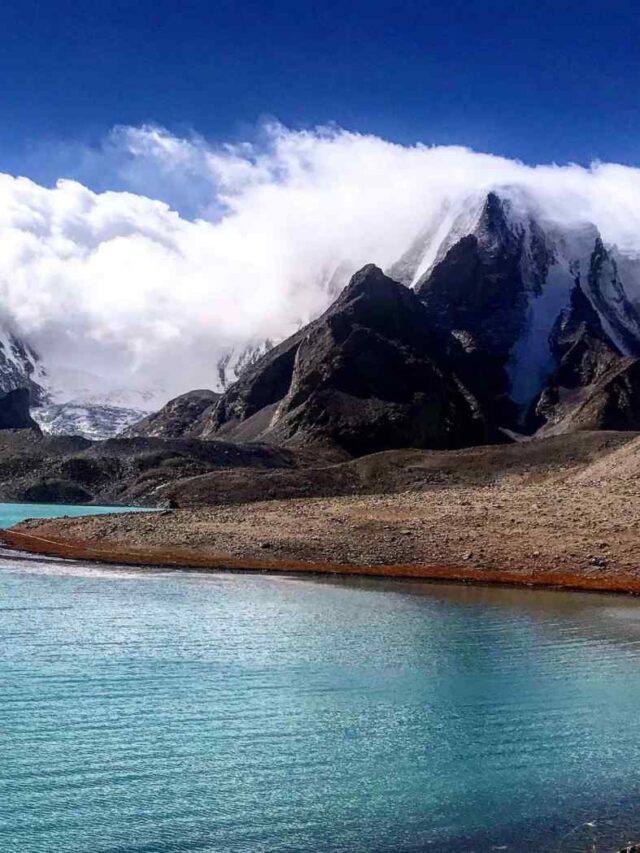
(188, 559)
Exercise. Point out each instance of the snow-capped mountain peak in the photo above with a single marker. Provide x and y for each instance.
(21, 367)
(501, 271)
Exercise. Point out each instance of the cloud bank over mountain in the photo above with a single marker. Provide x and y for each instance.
(119, 284)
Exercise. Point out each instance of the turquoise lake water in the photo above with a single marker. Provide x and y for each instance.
(13, 513)
(146, 711)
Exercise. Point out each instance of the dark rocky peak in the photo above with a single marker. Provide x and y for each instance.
(369, 285)
(377, 302)
(590, 374)
(177, 418)
(506, 223)
(367, 375)
(478, 288)
(14, 410)
(578, 321)
(482, 289)
(496, 231)
(371, 300)
(609, 297)
(504, 219)
(582, 349)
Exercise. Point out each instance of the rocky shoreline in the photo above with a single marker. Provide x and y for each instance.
(206, 561)
(543, 514)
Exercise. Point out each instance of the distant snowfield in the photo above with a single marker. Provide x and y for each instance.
(95, 422)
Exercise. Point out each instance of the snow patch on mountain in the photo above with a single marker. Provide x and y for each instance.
(95, 422)
(233, 364)
(21, 367)
(456, 222)
(531, 359)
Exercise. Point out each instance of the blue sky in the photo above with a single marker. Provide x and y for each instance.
(544, 81)
(217, 246)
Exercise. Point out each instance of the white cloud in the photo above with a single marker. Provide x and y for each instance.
(120, 284)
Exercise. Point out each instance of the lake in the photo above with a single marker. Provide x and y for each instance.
(13, 513)
(147, 711)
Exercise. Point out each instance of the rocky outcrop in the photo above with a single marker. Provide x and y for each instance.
(609, 298)
(372, 373)
(582, 349)
(478, 285)
(14, 410)
(177, 418)
(611, 402)
(70, 469)
(594, 386)
(20, 367)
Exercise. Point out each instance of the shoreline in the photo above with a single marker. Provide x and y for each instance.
(74, 549)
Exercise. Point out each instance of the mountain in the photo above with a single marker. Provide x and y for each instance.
(503, 279)
(21, 367)
(521, 315)
(534, 323)
(175, 419)
(370, 374)
(76, 403)
(71, 411)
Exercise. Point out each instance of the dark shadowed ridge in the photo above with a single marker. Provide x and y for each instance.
(372, 373)
(176, 418)
(14, 410)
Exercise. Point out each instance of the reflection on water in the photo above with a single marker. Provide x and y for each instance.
(179, 711)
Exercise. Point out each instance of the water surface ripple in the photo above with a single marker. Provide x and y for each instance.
(159, 712)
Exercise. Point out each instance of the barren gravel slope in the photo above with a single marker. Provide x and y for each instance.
(549, 516)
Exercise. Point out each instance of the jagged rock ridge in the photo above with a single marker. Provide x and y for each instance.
(21, 367)
(371, 373)
(594, 386)
(523, 317)
(507, 287)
